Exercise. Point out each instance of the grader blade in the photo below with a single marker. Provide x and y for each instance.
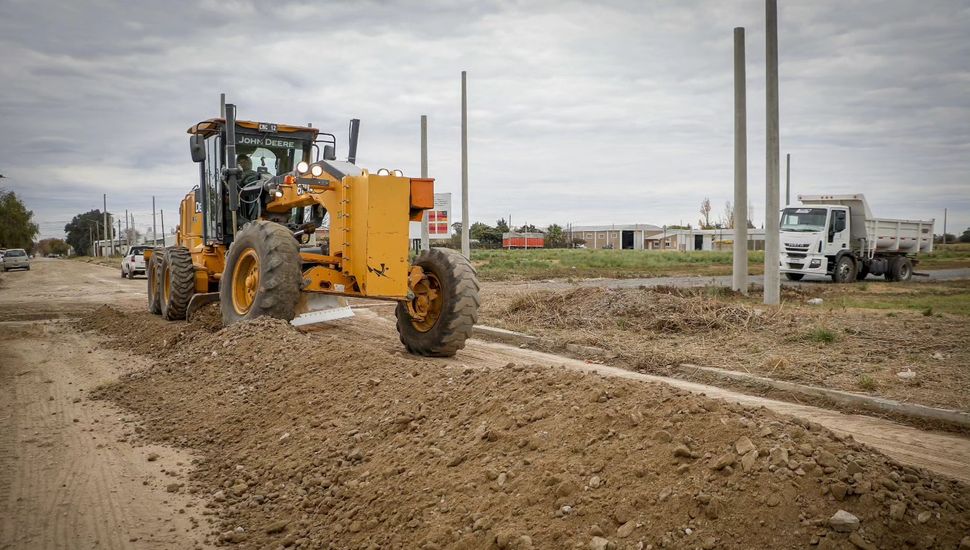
(199, 300)
(320, 308)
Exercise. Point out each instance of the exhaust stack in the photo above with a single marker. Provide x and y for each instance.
(354, 131)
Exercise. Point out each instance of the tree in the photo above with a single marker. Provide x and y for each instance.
(965, 238)
(82, 229)
(706, 212)
(486, 235)
(17, 228)
(728, 221)
(950, 238)
(555, 237)
(528, 228)
(49, 247)
(502, 225)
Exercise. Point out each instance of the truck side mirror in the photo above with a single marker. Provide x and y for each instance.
(329, 153)
(197, 147)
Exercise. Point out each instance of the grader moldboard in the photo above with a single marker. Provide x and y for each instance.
(248, 238)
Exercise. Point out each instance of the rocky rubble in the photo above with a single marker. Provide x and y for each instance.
(314, 441)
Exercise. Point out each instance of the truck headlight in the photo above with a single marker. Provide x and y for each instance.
(815, 263)
(316, 170)
(302, 167)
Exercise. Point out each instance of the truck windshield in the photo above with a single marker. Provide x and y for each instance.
(803, 219)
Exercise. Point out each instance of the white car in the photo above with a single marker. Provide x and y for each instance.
(133, 263)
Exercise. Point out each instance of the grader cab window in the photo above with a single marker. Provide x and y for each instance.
(267, 156)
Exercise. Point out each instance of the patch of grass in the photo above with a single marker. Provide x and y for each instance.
(925, 298)
(867, 383)
(585, 263)
(822, 335)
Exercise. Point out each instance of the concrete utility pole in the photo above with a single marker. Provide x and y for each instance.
(739, 280)
(425, 235)
(127, 229)
(154, 234)
(787, 179)
(222, 105)
(772, 273)
(465, 244)
(161, 214)
(119, 235)
(104, 215)
(944, 226)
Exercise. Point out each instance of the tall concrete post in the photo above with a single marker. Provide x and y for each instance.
(104, 215)
(772, 274)
(222, 105)
(465, 244)
(154, 232)
(787, 179)
(425, 235)
(161, 214)
(944, 226)
(739, 281)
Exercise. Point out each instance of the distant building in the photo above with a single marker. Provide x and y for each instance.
(625, 237)
(685, 240)
(523, 240)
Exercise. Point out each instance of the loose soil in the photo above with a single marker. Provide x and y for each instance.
(657, 329)
(320, 440)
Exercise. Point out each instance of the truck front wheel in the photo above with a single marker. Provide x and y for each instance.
(845, 270)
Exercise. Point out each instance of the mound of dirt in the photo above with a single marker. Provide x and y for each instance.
(314, 441)
(208, 317)
(664, 310)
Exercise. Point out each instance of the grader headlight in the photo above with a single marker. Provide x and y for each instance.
(302, 167)
(316, 170)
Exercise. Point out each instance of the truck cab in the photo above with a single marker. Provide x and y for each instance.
(812, 237)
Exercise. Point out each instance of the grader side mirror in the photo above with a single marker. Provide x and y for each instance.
(197, 147)
(329, 153)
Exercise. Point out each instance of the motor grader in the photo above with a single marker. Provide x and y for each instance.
(248, 237)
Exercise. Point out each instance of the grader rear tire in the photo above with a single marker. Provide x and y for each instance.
(262, 275)
(177, 282)
(452, 313)
(152, 271)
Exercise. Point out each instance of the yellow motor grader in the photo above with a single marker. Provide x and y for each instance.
(249, 236)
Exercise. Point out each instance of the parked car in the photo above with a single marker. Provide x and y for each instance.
(15, 258)
(133, 262)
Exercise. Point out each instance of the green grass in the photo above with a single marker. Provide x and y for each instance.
(946, 256)
(583, 263)
(822, 335)
(927, 303)
(867, 382)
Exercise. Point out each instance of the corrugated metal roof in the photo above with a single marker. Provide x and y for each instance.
(649, 227)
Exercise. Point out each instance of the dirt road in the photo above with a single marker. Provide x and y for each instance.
(69, 478)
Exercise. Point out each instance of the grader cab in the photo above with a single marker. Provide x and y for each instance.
(278, 227)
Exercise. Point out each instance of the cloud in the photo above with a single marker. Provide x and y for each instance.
(616, 112)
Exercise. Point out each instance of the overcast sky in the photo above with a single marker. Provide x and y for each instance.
(579, 113)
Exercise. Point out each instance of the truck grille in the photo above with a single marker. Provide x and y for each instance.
(796, 250)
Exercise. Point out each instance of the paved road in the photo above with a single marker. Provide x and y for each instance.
(720, 280)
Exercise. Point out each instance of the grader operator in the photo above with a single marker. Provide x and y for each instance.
(246, 237)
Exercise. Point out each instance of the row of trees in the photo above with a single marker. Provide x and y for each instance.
(489, 236)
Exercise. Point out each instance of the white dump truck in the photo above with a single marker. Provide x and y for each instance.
(837, 236)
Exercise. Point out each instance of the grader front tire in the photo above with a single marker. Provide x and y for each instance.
(453, 312)
(177, 282)
(152, 272)
(262, 275)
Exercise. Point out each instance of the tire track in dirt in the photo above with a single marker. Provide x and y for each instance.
(68, 476)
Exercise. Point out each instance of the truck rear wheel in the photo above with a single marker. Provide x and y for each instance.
(794, 276)
(845, 270)
(900, 269)
(152, 270)
(440, 317)
(177, 282)
(262, 275)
